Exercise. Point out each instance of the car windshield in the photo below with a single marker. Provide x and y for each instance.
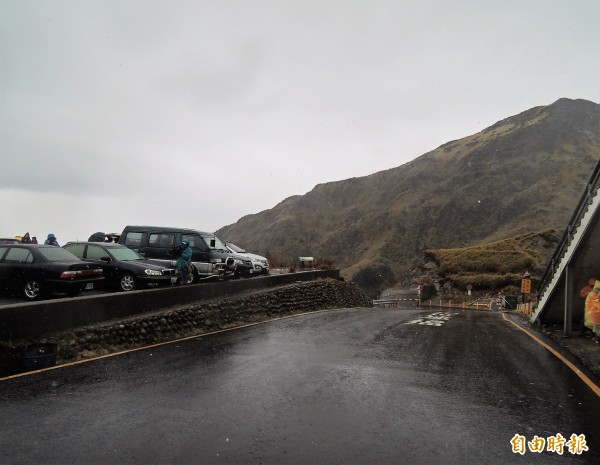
(56, 254)
(214, 243)
(124, 254)
(235, 248)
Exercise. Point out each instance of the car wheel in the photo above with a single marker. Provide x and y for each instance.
(127, 282)
(32, 289)
(192, 275)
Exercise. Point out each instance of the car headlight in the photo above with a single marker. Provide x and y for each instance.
(153, 272)
(239, 262)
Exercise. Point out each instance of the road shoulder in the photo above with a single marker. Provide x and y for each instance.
(579, 353)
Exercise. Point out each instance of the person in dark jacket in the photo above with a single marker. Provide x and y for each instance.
(26, 239)
(51, 240)
(183, 261)
(97, 237)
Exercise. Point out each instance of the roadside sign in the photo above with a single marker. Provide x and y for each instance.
(526, 285)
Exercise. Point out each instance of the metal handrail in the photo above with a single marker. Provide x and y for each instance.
(582, 207)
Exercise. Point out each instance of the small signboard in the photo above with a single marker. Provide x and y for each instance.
(306, 261)
(526, 286)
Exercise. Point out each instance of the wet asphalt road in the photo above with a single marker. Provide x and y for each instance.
(358, 386)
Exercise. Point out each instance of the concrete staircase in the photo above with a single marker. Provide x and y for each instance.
(576, 258)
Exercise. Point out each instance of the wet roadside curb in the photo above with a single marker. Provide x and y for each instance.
(580, 352)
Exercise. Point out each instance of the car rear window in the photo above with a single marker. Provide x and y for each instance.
(125, 254)
(57, 254)
(18, 254)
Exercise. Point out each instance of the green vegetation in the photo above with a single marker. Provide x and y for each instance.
(496, 265)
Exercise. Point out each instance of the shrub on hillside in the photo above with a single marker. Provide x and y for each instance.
(485, 280)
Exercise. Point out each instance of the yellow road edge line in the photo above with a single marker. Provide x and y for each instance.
(576, 370)
(159, 344)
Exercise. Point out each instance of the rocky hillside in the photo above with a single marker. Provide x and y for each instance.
(525, 173)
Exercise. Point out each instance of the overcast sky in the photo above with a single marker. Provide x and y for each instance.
(196, 113)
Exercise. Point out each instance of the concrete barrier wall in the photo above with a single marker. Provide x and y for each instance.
(197, 318)
(32, 320)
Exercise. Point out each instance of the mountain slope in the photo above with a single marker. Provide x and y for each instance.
(493, 266)
(524, 173)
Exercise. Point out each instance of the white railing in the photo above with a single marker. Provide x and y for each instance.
(584, 212)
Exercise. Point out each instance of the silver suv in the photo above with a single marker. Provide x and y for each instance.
(259, 263)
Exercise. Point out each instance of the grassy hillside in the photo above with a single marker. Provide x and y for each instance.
(524, 173)
(492, 266)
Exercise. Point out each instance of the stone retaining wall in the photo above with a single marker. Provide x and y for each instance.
(205, 316)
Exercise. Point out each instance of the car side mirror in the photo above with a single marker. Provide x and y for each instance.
(105, 259)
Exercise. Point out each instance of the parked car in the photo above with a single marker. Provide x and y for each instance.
(259, 263)
(36, 270)
(124, 268)
(9, 240)
(210, 257)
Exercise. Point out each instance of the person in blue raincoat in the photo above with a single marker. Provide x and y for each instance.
(183, 261)
(51, 240)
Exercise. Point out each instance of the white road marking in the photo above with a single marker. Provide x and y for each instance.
(433, 319)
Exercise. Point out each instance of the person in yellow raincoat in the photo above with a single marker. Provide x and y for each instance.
(592, 310)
